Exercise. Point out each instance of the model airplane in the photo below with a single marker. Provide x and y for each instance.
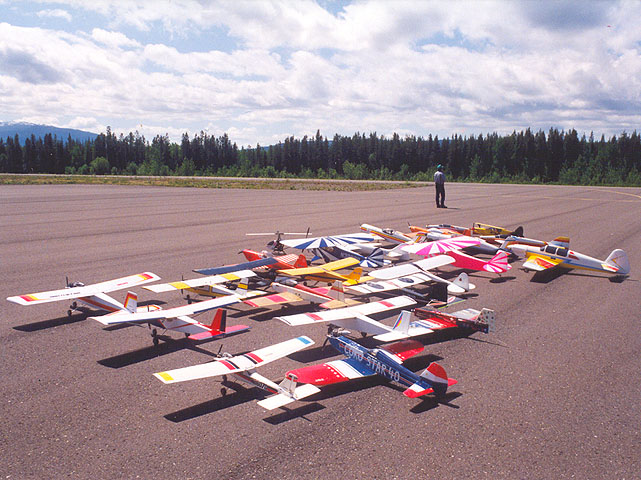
(352, 318)
(337, 247)
(392, 235)
(205, 286)
(409, 274)
(385, 361)
(557, 253)
(244, 367)
(452, 247)
(325, 297)
(430, 320)
(326, 272)
(178, 320)
(93, 295)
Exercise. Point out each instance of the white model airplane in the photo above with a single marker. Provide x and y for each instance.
(92, 295)
(428, 321)
(244, 367)
(557, 254)
(410, 274)
(177, 319)
(354, 317)
(209, 286)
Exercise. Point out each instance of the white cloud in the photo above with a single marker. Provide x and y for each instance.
(412, 67)
(55, 13)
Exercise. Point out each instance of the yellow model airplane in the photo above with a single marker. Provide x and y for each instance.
(326, 273)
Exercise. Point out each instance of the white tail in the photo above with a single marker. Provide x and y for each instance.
(498, 263)
(131, 302)
(337, 292)
(619, 259)
(402, 323)
(488, 316)
(463, 281)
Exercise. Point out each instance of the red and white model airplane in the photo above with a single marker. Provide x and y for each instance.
(177, 319)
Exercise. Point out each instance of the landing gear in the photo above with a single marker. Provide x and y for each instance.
(154, 336)
(188, 299)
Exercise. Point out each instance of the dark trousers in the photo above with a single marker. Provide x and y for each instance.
(440, 192)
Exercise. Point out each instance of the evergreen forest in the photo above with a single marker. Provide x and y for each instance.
(522, 157)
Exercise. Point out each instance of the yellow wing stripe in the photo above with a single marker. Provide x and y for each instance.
(165, 376)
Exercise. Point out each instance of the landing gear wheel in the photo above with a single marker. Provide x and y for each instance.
(223, 391)
(154, 336)
(69, 313)
(363, 334)
(188, 300)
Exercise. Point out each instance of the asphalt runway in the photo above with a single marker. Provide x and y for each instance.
(554, 393)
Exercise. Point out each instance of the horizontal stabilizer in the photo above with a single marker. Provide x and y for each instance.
(215, 334)
(282, 399)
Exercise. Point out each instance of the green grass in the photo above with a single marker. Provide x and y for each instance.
(207, 182)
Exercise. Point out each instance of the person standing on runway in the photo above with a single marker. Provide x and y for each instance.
(439, 183)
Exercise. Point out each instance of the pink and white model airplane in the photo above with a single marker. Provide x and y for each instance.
(452, 247)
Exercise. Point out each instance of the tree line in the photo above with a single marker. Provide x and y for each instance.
(523, 157)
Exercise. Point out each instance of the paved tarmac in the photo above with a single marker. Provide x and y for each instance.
(553, 394)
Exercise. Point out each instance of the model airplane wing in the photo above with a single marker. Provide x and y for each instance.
(85, 290)
(411, 268)
(235, 268)
(329, 241)
(238, 363)
(274, 299)
(336, 265)
(200, 282)
(338, 371)
(441, 246)
(356, 311)
(540, 262)
(145, 317)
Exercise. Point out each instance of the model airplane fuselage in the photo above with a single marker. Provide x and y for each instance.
(384, 361)
(557, 253)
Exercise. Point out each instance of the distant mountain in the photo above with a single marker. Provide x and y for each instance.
(25, 130)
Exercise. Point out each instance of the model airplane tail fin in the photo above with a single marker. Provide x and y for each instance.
(402, 323)
(433, 380)
(463, 281)
(618, 260)
(219, 323)
(355, 276)
(131, 302)
(397, 253)
(250, 255)
(301, 261)
(489, 317)
(337, 292)
(498, 263)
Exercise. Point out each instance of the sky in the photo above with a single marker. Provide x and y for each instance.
(262, 71)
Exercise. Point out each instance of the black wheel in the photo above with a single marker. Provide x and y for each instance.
(69, 313)
(223, 391)
(363, 334)
(155, 340)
